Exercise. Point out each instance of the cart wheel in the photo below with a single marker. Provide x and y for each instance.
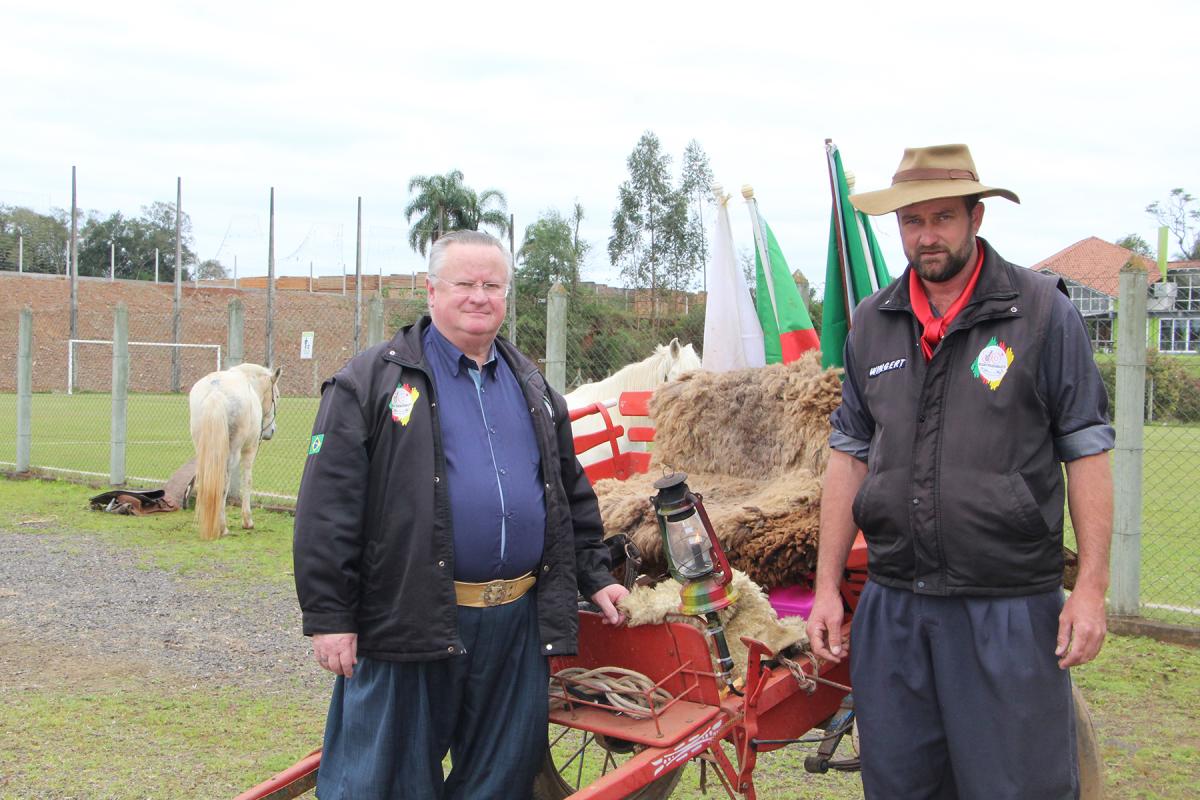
(1091, 766)
(576, 758)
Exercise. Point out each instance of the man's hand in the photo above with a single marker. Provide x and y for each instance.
(825, 628)
(336, 652)
(606, 600)
(1081, 628)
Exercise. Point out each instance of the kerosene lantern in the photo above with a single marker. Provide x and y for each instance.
(695, 558)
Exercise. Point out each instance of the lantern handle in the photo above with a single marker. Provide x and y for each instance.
(697, 500)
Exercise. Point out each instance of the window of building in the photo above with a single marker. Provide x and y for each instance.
(1101, 333)
(1089, 301)
(1187, 296)
(1179, 336)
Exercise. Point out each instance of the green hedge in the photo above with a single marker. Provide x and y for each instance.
(1174, 381)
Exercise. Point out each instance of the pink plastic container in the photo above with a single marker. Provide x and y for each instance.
(791, 601)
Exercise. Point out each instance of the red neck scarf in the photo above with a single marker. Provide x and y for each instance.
(935, 327)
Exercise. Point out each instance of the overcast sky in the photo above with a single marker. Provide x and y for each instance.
(1087, 113)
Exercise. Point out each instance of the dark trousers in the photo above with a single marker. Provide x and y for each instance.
(390, 726)
(962, 697)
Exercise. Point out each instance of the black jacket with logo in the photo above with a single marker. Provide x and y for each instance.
(964, 489)
(373, 544)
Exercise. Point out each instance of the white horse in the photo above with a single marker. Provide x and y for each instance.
(666, 363)
(232, 411)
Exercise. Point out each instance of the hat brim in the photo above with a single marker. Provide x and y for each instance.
(899, 195)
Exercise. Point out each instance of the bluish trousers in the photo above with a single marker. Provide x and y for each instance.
(962, 697)
(390, 726)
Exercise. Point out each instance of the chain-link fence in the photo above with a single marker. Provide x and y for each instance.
(607, 329)
(604, 330)
(1170, 422)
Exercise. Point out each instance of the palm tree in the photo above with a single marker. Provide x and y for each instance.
(475, 211)
(443, 204)
(439, 202)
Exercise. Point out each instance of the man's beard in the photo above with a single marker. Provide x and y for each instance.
(955, 262)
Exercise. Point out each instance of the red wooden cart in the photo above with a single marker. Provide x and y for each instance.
(602, 750)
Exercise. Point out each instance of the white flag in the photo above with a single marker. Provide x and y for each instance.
(733, 338)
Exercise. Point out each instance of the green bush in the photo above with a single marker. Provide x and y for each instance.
(1171, 385)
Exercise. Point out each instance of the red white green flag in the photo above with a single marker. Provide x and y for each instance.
(787, 328)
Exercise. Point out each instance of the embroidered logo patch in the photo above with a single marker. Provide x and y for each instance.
(403, 401)
(314, 445)
(991, 365)
(886, 366)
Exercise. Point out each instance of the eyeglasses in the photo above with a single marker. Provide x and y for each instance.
(467, 288)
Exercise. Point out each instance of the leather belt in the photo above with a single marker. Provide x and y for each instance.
(493, 593)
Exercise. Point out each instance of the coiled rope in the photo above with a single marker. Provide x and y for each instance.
(626, 690)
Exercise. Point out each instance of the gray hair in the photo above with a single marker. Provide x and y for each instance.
(437, 253)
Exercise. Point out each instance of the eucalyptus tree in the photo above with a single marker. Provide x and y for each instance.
(649, 227)
(695, 182)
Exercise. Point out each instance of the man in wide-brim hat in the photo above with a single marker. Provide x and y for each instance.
(968, 382)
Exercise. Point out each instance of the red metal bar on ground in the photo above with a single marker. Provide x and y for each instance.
(292, 782)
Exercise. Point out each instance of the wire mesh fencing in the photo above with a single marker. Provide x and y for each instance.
(311, 334)
(1170, 428)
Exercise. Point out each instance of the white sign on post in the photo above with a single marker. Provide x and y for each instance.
(306, 344)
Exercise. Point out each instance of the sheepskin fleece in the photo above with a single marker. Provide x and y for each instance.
(751, 615)
(753, 423)
(754, 444)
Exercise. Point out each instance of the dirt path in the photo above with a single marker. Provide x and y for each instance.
(73, 609)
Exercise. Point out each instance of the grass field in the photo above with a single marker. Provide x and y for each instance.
(70, 432)
(103, 729)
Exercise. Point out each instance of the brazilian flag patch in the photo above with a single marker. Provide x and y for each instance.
(314, 446)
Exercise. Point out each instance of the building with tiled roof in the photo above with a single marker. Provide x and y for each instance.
(1091, 268)
(1096, 264)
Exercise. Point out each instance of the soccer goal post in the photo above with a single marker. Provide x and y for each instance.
(72, 363)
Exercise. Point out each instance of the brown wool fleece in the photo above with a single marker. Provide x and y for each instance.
(754, 443)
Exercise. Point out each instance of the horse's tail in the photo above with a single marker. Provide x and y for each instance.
(212, 463)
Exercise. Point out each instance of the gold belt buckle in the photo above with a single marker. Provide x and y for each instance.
(496, 593)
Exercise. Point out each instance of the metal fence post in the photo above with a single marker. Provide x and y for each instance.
(120, 395)
(1127, 459)
(375, 321)
(25, 389)
(73, 263)
(176, 308)
(556, 337)
(358, 283)
(270, 356)
(234, 347)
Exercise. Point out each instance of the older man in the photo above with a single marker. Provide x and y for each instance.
(968, 383)
(442, 529)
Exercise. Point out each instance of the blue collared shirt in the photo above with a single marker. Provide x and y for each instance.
(493, 466)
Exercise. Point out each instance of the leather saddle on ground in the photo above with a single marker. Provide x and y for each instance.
(174, 495)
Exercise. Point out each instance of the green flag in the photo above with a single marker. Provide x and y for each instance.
(787, 328)
(854, 269)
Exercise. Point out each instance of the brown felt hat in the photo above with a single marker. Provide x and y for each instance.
(927, 173)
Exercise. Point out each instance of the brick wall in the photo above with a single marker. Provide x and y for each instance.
(204, 321)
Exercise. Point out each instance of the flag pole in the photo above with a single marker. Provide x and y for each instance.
(862, 228)
(761, 241)
(839, 223)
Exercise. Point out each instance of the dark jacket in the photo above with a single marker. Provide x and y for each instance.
(964, 493)
(373, 544)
